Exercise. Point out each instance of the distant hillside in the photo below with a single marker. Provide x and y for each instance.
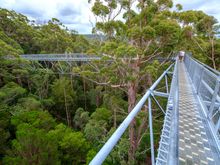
(94, 36)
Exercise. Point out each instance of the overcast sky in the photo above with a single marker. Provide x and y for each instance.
(75, 14)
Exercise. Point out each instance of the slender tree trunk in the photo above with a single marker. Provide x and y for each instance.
(115, 118)
(84, 91)
(149, 79)
(213, 52)
(68, 116)
(19, 80)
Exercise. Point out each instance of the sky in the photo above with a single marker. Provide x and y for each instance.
(76, 14)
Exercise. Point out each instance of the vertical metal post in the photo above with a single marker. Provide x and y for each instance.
(200, 80)
(218, 123)
(151, 131)
(167, 87)
(195, 73)
(214, 97)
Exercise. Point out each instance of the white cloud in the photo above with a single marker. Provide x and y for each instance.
(211, 7)
(73, 13)
(76, 14)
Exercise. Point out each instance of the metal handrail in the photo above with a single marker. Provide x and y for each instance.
(167, 153)
(208, 67)
(108, 146)
(78, 57)
(206, 82)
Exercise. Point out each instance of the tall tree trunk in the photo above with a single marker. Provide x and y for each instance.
(132, 93)
(84, 92)
(68, 116)
(131, 103)
(211, 40)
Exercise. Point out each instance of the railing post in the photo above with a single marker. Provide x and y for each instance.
(200, 80)
(218, 123)
(214, 97)
(196, 68)
(167, 87)
(151, 131)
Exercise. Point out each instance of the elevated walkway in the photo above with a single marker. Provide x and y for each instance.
(191, 129)
(196, 143)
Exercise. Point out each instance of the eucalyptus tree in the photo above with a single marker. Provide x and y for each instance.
(136, 31)
(63, 94)
(200, 32)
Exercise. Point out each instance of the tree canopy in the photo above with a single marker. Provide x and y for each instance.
(51, 117)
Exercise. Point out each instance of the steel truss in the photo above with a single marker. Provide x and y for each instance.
(151, 93)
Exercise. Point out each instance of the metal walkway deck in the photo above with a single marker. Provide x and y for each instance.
(196, 145)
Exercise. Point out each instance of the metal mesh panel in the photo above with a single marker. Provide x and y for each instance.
(204, 92)
(215, 115)
(210, 79)
(206, 82)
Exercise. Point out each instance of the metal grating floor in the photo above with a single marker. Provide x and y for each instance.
(196, 145)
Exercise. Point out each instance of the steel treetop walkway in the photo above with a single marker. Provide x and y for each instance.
(191, 130)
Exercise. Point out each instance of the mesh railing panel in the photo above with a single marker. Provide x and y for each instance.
(206, 81)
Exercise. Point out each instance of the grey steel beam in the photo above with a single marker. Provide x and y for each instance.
(151, 131)
(161, 94)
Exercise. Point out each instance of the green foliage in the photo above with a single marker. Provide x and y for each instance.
(73, 146)
(100, 9)
(38, 119)
(101, 114)
(32, 146)
(7, 49)
(61, 90)
(4, 128)
(30, 103)
(11, 92)
(179, 7)
(97, 126)
(33, 99)
(81, 118)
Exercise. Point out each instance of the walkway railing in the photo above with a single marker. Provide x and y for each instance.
(167, 151)
(206, 82)
(60, 57)
(108, 146)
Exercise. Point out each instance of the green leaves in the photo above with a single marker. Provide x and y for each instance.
(165, 3)
(124, 51)
(149, 33)
(167, 28)
(38, 119)
(4, 128)
(101, 10)
(96, 128)
(81, 118)
(32, 146)
(135, 32)
(58, 91)
(73, 146)
(205, 25)
(10, 92)
(101, 114)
